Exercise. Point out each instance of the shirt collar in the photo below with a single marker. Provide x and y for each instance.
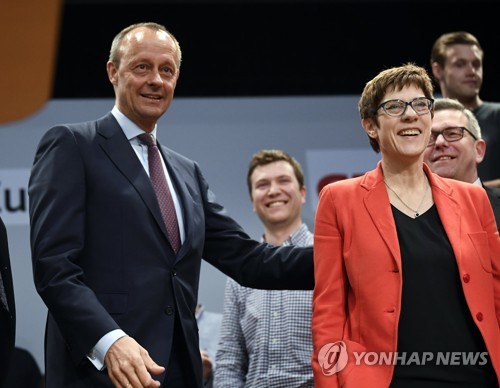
(200, 311)
(130, 129)
(297, 237)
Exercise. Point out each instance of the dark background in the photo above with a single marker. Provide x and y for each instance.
(273, 48)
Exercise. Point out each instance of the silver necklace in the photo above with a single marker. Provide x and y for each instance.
(417, 211)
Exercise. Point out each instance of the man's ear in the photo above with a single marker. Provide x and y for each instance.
(112, 70)
(480, 147)
(436, 70)
(303, 192)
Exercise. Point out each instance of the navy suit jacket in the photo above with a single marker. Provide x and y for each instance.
(102, 259)
(7, 318)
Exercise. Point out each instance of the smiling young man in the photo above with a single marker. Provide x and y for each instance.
(456, 147)
(457, 66)
(265, 338)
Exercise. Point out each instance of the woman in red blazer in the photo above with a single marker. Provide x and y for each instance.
(407, 264)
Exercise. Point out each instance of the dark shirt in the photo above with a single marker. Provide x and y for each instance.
(434, 314)
(494, 197)
(488, 116)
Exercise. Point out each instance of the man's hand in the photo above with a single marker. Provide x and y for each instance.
(492, 183)
(207, 365)
(129, 365)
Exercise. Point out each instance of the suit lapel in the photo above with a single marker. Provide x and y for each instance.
(377, 203)
(115, 144)
(378, 206)
(448, 209)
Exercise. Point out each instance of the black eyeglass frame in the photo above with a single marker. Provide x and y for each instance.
(430, 104)
(435, 135)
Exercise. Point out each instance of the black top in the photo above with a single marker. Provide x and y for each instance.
(434, 314)
(488, 117)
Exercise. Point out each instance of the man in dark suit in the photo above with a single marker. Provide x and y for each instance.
(7, 306)
(456, 147)
(121, 299)
(24, 371)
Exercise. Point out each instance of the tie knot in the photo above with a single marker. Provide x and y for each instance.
(147, 139)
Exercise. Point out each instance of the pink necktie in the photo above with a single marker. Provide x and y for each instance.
(163, 195)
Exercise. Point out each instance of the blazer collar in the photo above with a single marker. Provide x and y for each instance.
(449, 209)
(378, 206)
(375, 177)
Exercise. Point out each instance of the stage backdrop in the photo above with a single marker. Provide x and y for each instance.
(323, 133)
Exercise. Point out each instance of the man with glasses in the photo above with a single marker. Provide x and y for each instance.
(457, 65)
(456, 147)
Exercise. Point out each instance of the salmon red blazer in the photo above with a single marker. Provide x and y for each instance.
(357, 296)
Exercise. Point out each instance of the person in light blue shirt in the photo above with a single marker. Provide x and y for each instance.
(209, 323)
(265, 338)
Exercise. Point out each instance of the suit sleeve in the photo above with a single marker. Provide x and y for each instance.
(57, 195)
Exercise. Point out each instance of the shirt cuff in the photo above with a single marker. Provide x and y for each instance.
(98, 352)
